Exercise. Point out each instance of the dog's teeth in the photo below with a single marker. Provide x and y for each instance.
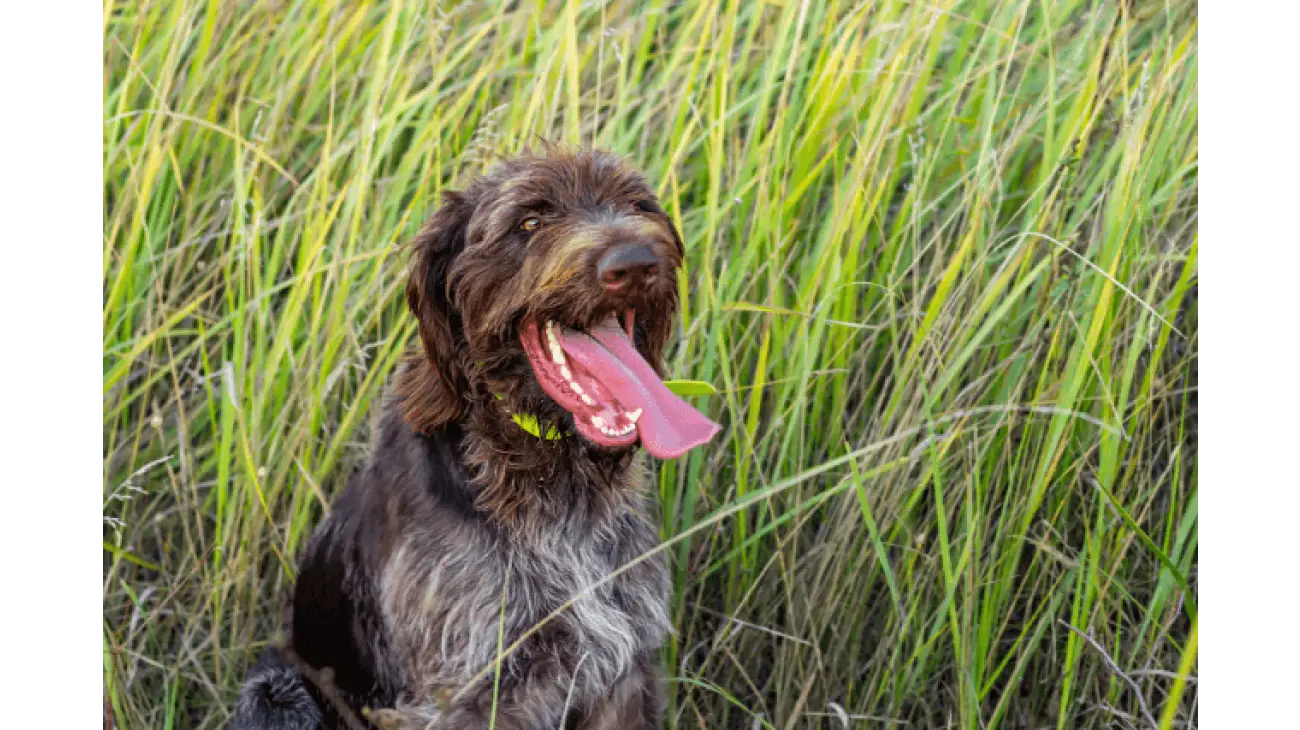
(564, 370)
(633, 415)
(587, 399)
(553, 344)
(612, 430)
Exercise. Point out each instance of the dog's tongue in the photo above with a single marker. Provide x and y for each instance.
(668, 426)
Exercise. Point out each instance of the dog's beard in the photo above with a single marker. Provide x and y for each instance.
(613, 394)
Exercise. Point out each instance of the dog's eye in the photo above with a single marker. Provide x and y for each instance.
(530, 224)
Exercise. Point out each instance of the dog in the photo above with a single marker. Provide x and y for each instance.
(506, 483)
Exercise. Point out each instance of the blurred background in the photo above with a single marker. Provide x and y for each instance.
(942, 268)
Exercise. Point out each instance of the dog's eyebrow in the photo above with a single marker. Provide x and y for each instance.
(536, 204)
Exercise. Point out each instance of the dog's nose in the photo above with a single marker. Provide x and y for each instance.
(627, 266)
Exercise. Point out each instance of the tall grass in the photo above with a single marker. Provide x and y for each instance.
(942, 264)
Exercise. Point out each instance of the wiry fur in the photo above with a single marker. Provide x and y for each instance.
(275, 696)
(462, 532)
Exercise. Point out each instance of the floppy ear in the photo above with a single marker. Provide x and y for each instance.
(430, 389)
(677, 236)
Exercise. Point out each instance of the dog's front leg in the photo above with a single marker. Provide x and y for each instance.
(633, 703)
(533, 702)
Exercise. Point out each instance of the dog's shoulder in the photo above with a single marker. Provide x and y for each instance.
(409, 483)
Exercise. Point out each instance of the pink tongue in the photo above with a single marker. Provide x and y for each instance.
(668, 426)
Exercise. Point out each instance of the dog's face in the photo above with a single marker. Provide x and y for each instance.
(551, 285)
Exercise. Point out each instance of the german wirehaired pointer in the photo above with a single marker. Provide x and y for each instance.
(504, 478)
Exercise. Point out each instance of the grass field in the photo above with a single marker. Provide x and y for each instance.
(942, 266)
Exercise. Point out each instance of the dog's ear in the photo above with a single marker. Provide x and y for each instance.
(677, 236)
(431, 389)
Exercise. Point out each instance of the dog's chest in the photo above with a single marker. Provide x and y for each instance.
(447, 601)
(608, 620)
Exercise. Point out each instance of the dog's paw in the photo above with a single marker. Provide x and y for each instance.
(274, 698)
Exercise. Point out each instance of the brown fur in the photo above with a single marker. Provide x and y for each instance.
(472, 258)
(400, 594)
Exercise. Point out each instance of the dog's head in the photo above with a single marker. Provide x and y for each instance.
(549, 286)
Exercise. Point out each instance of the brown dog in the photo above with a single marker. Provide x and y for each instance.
(504, 480)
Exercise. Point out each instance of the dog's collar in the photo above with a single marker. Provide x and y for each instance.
(529, 423)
